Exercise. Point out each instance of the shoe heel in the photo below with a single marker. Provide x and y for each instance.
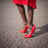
(34, 33)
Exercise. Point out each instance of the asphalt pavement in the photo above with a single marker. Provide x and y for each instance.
(11, 23)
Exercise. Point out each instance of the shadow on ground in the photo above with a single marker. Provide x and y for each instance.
(43, 29)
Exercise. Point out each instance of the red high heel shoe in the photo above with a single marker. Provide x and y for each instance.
(29, 36)
(23, 31)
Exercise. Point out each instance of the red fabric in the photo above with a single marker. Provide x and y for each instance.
(31, 3)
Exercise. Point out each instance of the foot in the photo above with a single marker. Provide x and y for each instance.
(25, 27)
(29, 29)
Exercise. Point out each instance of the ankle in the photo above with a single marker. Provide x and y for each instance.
(30, 26)
(25, 23)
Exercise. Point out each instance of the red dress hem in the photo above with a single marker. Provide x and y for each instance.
(31, 5)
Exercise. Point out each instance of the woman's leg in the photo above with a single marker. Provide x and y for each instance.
(22, 12)
(30, 17)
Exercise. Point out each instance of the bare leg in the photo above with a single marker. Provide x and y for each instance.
(22, 12)
(30, 17)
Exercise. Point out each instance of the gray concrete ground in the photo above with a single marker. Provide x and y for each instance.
(11, 23)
